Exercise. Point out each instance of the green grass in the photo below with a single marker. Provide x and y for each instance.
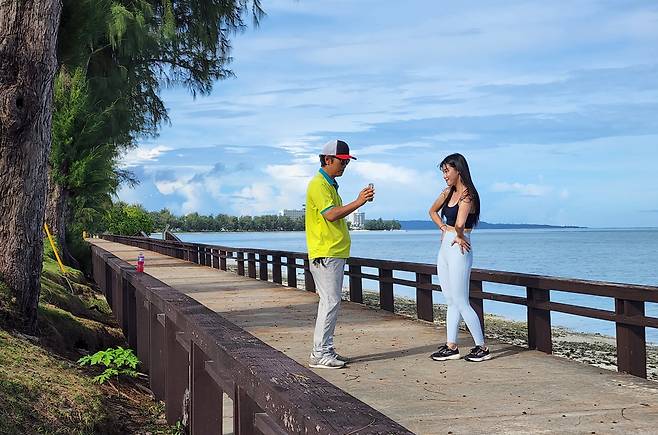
(42, 389)
(41, 393)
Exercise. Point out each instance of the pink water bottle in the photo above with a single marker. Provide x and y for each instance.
(140, 262)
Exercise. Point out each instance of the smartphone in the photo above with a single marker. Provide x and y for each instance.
(372, 186)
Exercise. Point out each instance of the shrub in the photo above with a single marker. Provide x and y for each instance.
(117, 361)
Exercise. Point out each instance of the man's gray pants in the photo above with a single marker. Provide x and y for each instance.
(328, 276)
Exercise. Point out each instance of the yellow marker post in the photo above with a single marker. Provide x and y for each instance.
(59, 260)
(52, 244)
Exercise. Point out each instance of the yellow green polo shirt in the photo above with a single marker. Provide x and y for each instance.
(324, 238)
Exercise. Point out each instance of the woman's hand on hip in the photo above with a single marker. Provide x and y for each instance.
(463, 243)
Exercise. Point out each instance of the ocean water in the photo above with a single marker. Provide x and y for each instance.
(617, 255)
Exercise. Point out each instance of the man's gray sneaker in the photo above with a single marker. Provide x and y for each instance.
(326, 362)
(338, 356)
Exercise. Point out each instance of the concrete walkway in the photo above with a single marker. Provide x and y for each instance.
(518, 391)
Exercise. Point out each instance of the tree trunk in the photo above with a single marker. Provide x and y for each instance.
(28, 36)
(56, 210)
(58, 215)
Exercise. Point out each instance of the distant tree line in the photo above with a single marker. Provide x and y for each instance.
(223, 222)
(134, 219)
(380, 224)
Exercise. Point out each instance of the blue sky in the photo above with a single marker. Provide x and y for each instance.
(555, 108)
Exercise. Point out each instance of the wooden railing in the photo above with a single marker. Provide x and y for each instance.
(194, 356)
(629, 315)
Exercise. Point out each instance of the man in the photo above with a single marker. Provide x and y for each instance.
(329, 246)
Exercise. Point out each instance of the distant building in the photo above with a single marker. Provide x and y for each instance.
(358, 220)
(293, 214)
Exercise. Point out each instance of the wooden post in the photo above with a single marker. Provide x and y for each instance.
(291, 271)
(276, 268)
(241, 263)
(263, 274)
(539, 321)
(206, 397)
(477, 303)
(132, 316)
(356, 283)
(309, 283)
(176, 373)
(215, 258)
(244, 409)
(142, 307)
(107, 284)
(251, 265)
(631, 339)
(386, 289)
(222, 259)
(123, 288)
(424, 303)
(156, 353)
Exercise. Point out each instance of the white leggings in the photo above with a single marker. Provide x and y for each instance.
(454, 277)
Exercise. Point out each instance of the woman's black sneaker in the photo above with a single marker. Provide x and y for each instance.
(478, 354)
(445, 353)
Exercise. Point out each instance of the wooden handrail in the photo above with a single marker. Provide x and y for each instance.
(174, 335)
(629, 315)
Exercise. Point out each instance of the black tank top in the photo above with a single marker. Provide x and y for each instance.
(450, 213)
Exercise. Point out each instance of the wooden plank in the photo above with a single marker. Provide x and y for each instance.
(597, 288)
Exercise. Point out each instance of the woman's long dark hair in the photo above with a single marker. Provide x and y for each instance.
(458, 162)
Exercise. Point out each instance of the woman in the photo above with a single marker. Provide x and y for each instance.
(459, 205)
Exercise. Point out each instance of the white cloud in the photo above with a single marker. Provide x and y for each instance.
(300, 146)
(522, 189)
(193, 192)
(385, 148)
(143, 154)
(386, 173)
(285, 188)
